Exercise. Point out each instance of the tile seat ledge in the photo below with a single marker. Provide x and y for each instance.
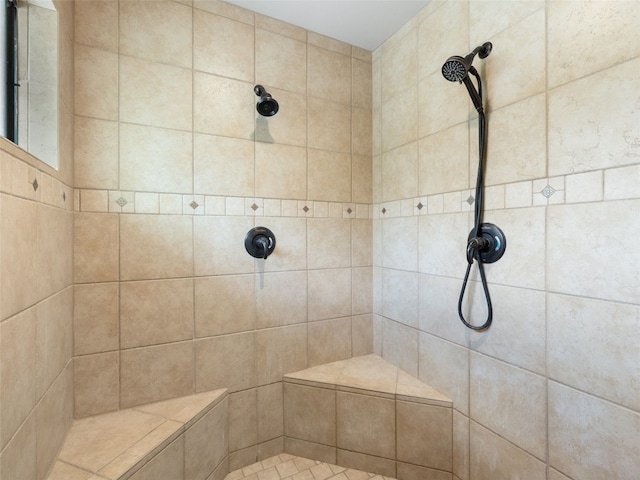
(115, 445)
(372, 375)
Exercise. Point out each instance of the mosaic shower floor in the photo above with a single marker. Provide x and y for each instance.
(285, 466)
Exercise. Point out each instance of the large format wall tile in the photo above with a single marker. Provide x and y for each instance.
(96, 384)
(223, 166)
(400, 55)
(510, 401)
(400, 122)
(606, 26)
(445, 367)
(243, 423)
(590, 438)
(224, 304)
(270, 411)
(444, 258)
(143, 27)
(96, 79)
(329, 74)
(281, 61)
(96, 24)
(18, 372)
(96, 153)
(329, 175)
(148, 94)
(95, 248)
(523, 262)
(232, 54)
(291, 243)
(490, 18)
(226, 361)
(328, 131)
(593, 121)
(155, 159)
(579, 267)
(400, 172)
(96, 320)
(280, 171)
(280, 298)
(218, 244)
(19, 223)
(155, 312)
(329, 293)
(279, 351)
(400, 346)
(356, 432)
(155, 373)
(328, 243)
(329, 341)
(54, 338)
(205, 445)
(400, 300)
(155, 246)
(438, 313)
(495, 458)
(517, 333)
(505, 82)
(592, 346)
(516, 145)
(429, 446)
(400, 243)
(444, 159)
(310, 414)
(219, 106)
(54, 415)
(435, 26)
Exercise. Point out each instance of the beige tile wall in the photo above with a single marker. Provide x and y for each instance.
(36, 293)
(551, 389)
(166, 181)
(174, 166)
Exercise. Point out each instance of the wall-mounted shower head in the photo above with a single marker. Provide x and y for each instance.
(457, 68)
(267, 105)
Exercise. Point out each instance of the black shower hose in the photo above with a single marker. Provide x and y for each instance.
(482, 134)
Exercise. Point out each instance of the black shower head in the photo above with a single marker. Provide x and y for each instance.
(457, 68)
(267, 105)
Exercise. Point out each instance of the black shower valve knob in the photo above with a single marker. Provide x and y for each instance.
(489, 246)
(260, 242)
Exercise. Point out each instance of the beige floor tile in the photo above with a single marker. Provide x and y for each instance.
(286, 466)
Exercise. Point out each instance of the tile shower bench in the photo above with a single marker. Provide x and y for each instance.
(366, 414)
(181, 438)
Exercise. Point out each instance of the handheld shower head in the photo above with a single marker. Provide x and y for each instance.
(457, 68)
(267, 105)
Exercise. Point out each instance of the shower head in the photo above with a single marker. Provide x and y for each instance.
(267, 105)
(457, 68)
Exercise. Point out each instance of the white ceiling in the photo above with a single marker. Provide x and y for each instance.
(363, 23)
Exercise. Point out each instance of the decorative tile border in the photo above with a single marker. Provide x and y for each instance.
(22, 180)
(595, 186)
(116, 201)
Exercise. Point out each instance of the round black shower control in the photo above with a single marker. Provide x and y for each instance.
(490, 245)
(260, 242)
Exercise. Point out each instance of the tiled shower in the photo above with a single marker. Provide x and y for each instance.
(124, 275)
